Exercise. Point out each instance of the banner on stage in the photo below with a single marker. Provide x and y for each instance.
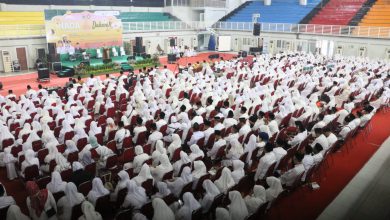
(71, 31)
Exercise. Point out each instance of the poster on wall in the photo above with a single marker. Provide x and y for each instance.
(73, 31)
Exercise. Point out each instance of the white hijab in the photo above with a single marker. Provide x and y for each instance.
(14, 213)
(238, 170)
(89, 211)
(123, 178)
(225, 181)
(98, 190)
(161, 210)
(275, 188)
(143, 175)
(73, 197)
(199, 169)
(257, 199)
(210, 188)
(136, 193)
(163, 190)
(94, 129)
(237, 208)
(195, 152)
(222, 214)
(56, 184)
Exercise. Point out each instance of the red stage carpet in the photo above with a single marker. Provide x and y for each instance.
(300, 204)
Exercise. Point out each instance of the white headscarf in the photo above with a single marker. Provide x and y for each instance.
(257, 199)
(161, 210)
(123, 178)
(136, 194)
(250, 146)
(222, 214)
(94, 129)
(162, 190)
(190, 202)
(77, 166)
(237, 208)
(70, 146)
(98, 190)
(225, 181)
(238, 170)
(176, 143)
(89, 211)
(14, 213)
(210, 188)
(56, 184)
(195, 152)
(73, 197)
(275, 188)
(199, 169)
(143, 175)
(186, 175)
(30, 157)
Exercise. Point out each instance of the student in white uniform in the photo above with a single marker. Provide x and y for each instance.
(265, 162)
(288, 178)
(40, 203)
(67, 202)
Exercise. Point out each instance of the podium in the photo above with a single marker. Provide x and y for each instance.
(106, 53)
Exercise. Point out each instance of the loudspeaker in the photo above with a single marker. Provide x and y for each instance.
(214, 56)
(52, 48)
(41, 53)
(172, 42)
(56, 66)
(66, 72)
(43, 73)
(171, 58)
(146, 56)
(138, 45)
(256, 29)
(254, 50)
(53, 58)
(105, 61)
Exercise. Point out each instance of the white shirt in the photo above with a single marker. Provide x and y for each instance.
(219, 127)
(228, 122)
(160, 123)
(331, 139)
(214, 150)
(290, 176)
(195, 137)
(267, 160)
(197, 119)
(207, 133)
(245, 130)
(273, 127)
(322, 140)
(138, 130)
(120, 136)
(155, 136)
(298, 138)
(279, 153)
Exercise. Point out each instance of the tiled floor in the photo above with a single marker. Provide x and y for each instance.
(367, 196)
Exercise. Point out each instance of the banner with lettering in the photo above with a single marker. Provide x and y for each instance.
(76, 31)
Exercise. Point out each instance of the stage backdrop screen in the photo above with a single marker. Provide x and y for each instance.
(72, 30)
(224, 43)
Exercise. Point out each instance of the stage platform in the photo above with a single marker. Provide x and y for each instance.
(94, 61)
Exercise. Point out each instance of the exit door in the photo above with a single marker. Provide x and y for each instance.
(22, 57)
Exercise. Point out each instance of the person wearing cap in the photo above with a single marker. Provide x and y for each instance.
(210, 107)
(219, 142)
(265, 162)
(273, 124)
(197, 119)
(218, 125)
(138, 129)
(226, 109)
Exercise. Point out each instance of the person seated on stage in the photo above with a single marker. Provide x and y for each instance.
(78, 49)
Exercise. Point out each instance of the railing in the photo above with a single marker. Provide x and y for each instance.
(336, 30)
(129, 27)
(20, 31)
(17, 31)
(197, 3)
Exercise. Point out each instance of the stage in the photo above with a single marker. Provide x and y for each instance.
(93, 61)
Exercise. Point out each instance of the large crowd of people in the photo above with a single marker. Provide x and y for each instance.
(160, 145)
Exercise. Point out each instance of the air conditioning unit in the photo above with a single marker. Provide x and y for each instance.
(362, 51)
(387, 56)
(339, 50)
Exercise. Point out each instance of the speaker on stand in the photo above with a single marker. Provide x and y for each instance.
(172, 42)
(139, 49)
(256, 29)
